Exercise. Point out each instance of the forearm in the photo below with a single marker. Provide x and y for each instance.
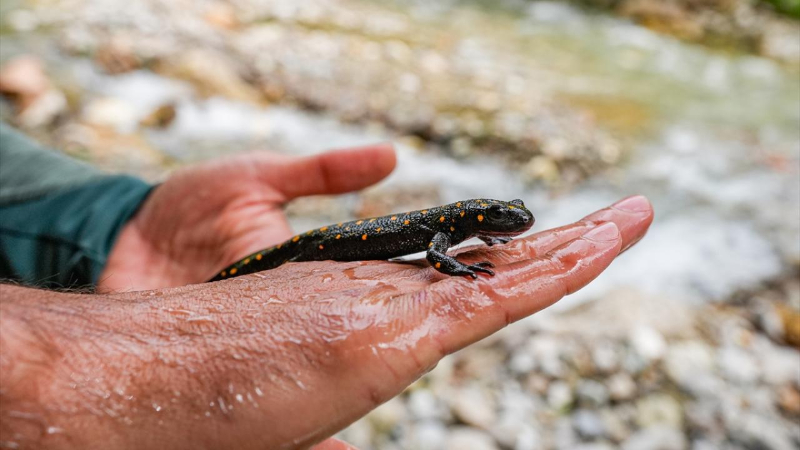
(55, 381)
(206, 364)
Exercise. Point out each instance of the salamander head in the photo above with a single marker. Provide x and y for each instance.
(496, 217)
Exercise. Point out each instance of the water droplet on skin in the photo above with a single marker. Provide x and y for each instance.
(54, 430)
(157, 407)
(273, 300)
(199, 318)
(239, 398)
(258, 392)
(327, 278)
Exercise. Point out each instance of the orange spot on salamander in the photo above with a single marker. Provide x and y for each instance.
(338, 236)
(480, 217)
(359, 222)
(371, 220)
(234, 270)
(223, 273)
(452, 229)
(430, 244)
(405, 222)
(438, 265)
(323, 229)
(296, 238)
(246, 261)
(441, 219)
(321, 246)
(378, 230)
(363, 237)
(458, 205)
(394, 217)
(424, 211)
(461, 214)
(258, 257)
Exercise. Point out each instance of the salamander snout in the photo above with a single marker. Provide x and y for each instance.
(508, 218)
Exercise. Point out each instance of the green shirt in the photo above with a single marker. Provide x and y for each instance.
(59, 217)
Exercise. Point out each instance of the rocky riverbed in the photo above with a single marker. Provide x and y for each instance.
(690, 340)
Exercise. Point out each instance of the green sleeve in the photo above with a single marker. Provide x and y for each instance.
(59, 218)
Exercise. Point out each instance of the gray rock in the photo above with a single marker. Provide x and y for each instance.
(423, 404)
(428, 435)
(463, 438)
(690, 365)
(737, 365)
(657, 437)
(755, 430)
(621, 387)
(605, 357)
(615, 424)
(559, 395)
(474, 406)
(592, 392)
(564, 435)
(588, 424)
(647, 342)
(594, 446)
(779, 365)
(659, 409)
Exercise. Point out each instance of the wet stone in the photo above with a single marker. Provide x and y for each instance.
(588, 424)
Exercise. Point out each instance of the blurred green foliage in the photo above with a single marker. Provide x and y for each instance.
(790, 7)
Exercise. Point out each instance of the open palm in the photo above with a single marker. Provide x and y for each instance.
(209, 215)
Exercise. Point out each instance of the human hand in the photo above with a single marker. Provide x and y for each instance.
(207, 216)
(286, 357)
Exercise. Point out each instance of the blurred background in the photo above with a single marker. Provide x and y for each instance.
(690, 340)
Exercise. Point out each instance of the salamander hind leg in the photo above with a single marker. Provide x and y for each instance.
(438, 258)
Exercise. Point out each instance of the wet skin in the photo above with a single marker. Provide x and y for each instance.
(277, 359)
(280, 359)
(433, 230)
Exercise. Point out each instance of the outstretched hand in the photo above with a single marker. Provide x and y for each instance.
(286, 357)
(209, 215)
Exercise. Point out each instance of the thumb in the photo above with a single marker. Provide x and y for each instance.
(331, 172)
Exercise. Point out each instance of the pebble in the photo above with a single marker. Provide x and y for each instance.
(657, 437)
(592, 393)
(462, 438)
(737, 365)
(621, 387)
(559, 395)
(473, 406)
(659, 409)
(648, 342)
(588, 424)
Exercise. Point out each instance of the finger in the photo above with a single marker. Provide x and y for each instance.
(333, 444)
(632, 216)
(466, 311)
(332, 172)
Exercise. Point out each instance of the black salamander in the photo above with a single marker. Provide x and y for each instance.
(433, 230)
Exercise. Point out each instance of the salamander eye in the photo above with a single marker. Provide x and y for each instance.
(496, 212)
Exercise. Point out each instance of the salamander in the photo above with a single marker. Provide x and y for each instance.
(432, 230)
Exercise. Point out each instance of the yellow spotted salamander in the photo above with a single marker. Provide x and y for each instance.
(433, 230)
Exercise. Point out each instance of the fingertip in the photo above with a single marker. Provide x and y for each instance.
(606, 232)
(634, 203)
(358, 167)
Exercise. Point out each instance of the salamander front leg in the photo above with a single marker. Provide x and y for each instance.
(493, 240)
(438, 258)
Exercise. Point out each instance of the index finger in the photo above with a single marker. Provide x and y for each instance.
(632, 216)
